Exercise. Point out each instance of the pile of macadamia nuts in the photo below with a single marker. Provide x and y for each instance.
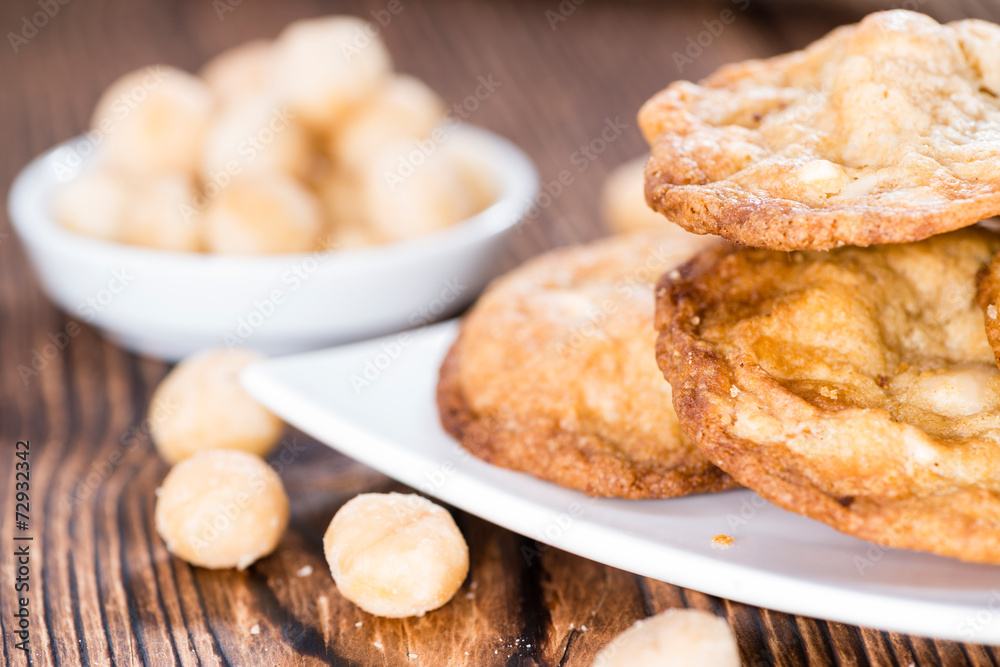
(222, 506)
(308, 142)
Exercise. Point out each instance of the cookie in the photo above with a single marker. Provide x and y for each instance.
(887, 131)
(553, 374)
(988, 296)
(855, 387)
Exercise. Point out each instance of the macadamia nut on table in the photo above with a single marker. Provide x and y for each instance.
(221, 509)
(674, 638)
(396, 555)
(201, 405)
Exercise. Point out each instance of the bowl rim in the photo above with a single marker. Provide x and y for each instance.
(29, 200)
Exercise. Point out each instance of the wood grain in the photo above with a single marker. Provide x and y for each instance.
(104, 590)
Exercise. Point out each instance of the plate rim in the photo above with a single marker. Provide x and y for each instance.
(732, 581)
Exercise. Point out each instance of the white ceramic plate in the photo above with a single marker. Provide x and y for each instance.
(374, 401)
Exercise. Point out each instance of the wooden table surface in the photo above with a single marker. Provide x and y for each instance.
(104, 589)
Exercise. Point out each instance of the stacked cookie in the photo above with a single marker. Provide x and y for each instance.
(835, 353)
(851, 382)
(554, 374)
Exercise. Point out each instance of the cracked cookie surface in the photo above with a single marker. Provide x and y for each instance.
(887, 131)
(554, 374)
(856, 387)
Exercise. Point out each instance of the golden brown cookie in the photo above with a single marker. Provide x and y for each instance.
(988, 296)
(855, 387)
(553, 374)
(887, 131)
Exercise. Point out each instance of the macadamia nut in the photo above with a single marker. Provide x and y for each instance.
(257, 135)
(264, 213)
(93, 203)
(221, 509)
(161, 214)
(240, 72)
(623, 201)
(154, 119)
(404, 108)
(343, 203)
(308, 142)
(152, 210)
(674, 638)
(409, 193)
(200, 405)
(396, 555)
(325, 66)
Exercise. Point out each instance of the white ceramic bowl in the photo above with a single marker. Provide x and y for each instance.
(169, 305)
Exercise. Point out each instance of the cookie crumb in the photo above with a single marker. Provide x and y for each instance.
(734, 391)
(722, 541)
(255, 630)
(991, 311)
(358, 624)
(304, 571)
(830, 393)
